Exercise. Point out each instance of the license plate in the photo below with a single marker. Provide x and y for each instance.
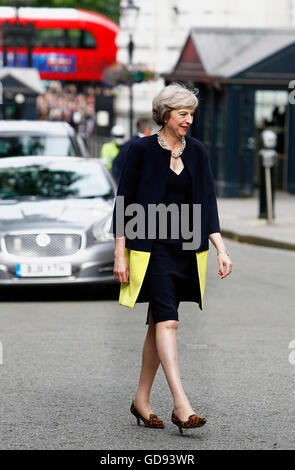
(43, 269)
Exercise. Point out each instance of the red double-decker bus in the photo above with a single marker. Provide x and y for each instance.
(68, 44)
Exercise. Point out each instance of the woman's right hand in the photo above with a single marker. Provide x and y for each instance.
(121, 268)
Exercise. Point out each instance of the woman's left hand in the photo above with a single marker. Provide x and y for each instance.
(225, 265)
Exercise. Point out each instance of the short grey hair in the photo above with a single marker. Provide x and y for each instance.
(173, 96)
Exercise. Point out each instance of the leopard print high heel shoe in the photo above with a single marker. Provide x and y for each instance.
(194, 421)
(152, 422)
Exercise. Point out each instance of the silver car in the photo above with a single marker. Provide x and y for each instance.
(55, 215)
(39, 138)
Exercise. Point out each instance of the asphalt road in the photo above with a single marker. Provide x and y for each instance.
(71, 363)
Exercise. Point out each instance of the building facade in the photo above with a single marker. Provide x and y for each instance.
(162, 27)
(163, 35)
(244, 77)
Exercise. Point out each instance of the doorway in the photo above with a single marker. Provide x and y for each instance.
(271, 112)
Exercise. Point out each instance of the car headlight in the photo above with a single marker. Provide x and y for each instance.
(101, 230)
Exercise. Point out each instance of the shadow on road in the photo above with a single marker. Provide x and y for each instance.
(56, 293)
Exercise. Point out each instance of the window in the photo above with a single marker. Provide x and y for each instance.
(207, 118)
(220, 118)
(53, 179)
(88, 40)
(64, 38)
(27, 145)
(74, 38)
(269, 104)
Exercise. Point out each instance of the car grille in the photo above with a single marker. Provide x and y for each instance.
(54, 244)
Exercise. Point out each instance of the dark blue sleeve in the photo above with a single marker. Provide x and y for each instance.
(127, 187)
(211, 200)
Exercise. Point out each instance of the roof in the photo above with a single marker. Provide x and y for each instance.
(36, 127)
(31, 13)
(29, 77)
(225, 52)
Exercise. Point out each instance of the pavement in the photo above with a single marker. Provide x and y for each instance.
(71, 363)
(239, 221)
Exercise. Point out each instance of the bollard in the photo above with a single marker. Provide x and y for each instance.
(269, 158)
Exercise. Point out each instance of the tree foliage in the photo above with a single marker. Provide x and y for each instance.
(109, 8)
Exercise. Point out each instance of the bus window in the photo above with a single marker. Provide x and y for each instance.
(48, 37)
(74, 38)
(80, 39)
(64, 38)
(88, 41)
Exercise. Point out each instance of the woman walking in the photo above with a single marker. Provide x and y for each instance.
(169, 168)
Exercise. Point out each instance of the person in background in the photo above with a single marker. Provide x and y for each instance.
(110, 150)
(144, 128)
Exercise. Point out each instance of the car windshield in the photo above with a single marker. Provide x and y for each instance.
(15, 145)
(53, 179)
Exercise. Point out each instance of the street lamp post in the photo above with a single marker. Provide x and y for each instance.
(130, 15)
(130, 52)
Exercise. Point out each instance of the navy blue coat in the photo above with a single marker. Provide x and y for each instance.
(144, 178)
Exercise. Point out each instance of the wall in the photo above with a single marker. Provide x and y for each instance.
(161, 30)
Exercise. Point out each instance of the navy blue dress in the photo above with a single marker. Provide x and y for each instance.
(172, 270)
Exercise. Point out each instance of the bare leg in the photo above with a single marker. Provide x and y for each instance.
(149, 367)
(167, 351)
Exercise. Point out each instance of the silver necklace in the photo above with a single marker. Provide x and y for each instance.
(165, 146)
